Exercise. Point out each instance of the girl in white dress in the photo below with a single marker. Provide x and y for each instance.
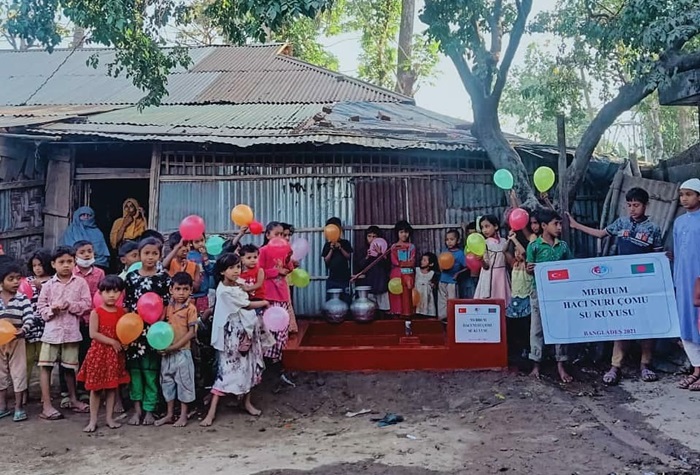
(494, 282)
(426, 277)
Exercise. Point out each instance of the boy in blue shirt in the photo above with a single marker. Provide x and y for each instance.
(447, 289)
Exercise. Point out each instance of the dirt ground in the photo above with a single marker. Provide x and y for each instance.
(461, 422)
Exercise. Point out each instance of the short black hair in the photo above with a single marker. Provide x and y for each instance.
(62, 251)
(150, 242)
(127, 247)
(182, 278)
(637, 194)
(456, 232)
(78, 244)
(248, 249)
(373, 230)
(471, 225)
(546, 216)
(152, 233)
(288, 227)
(174, 239)
(111, 282)
(9, 266)
(44, 258)
(334, 220)
(403, 225)
(491, 218)
(224, 262)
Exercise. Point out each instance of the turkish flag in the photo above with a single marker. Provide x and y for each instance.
(559, 274)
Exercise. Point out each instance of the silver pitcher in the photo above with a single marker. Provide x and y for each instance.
(362, 307)
(334, 308)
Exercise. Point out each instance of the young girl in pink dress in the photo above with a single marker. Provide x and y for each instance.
(493, 281)
(403, 263)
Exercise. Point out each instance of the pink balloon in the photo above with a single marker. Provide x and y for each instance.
(97, 300)
(26, 288)
(150, 307)
(276, 319)
(278, 248)
(473, 262)
(300, 249)
(192, 227)
(518, 219)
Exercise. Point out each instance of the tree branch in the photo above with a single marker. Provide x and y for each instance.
(469, 80)
(516, 35)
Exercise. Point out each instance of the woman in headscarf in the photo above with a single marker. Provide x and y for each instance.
(83, 228)
(129, 227)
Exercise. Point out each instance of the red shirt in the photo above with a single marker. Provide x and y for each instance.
(92, 276)
(250, 277)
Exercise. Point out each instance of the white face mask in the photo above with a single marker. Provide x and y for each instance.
(85, 262)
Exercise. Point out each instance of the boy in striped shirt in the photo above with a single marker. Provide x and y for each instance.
(17, 309)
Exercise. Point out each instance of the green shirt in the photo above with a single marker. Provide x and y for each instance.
(541, 251)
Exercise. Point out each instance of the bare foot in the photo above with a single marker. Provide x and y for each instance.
(148, 419)
(118, 408)
(252, 410)
(90, 427)
(181, 422)
(207, 421)
(168, 419)
(563, 375)
(535, 373)
(113, 425)
(135, 419)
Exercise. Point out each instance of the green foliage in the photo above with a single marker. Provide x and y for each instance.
(303, 34)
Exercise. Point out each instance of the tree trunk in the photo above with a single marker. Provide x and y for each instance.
(78, 37)
(686, 128)
(405, 76)
(501, 153)
(657, 139)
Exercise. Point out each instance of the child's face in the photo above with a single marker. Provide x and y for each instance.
(451, 241)
(149, 256)
(636, 209)
(425, 262)
(86, 252)
(37, 268)
(110, 297)
(10, 283)
(249, 260)
(371, 237)
(232, 273)
(488, 229)
(690, 199)
(275, 232)
(535, 226)
(199, 243)
(130, 258)
(404, 235)
(182, 252)
(180, 292)
(63, 265)
(553, 228)
(287, 234)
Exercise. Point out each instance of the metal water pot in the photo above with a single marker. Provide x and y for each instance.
(334, 308)
(362, 307)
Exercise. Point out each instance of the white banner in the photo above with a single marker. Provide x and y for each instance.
(607, 298)
(477, 323)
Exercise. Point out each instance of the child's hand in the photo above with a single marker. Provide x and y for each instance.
(572, 222)
(55, 309)
(265, 303)
(245, 230)
(117, 346)
(530, 267)
(283, 270)
(37, 284)
(19, 333)
(669, 255)
(206, 315)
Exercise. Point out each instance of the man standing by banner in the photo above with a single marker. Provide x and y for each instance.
(635, 234)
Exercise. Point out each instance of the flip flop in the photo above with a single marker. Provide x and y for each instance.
(84, 410)
(648, 376)
(20, 416)
(5, 413)
(54, 416)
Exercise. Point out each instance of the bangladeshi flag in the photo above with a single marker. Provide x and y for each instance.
(642, 269)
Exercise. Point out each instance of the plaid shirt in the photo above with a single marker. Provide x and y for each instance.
(18, 311)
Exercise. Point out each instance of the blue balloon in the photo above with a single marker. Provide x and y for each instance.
(134, 266)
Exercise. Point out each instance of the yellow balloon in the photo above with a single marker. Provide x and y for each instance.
(242, 215)
(395, 286)
(544, 179)
(476, 244)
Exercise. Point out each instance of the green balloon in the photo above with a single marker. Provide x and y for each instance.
(476, 244)
(300, 278)
(134, 266)
(160, 335)
(544, 179)
(215, 245)
(503, 179)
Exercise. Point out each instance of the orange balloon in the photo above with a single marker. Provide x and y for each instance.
(7, 331)
(129, 328)
(416, 297)
(446, 260)
(242, 215)
(332, 233)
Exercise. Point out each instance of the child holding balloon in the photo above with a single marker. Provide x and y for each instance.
(142, 360)
(104, 368)
(427, 279)
(237, 337)
(451, 261)
(493, 280)
(403, 261)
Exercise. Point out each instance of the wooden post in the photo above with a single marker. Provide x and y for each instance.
(58, 196)
(154, 187)
(563, 188)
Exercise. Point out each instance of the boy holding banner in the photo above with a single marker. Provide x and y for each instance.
(546, 248)
(635, 234)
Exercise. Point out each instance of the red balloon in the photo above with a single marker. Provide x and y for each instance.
(473, 262)
(26, 288)
(518, 219)
(192, 227)
(279, 248)
(97, 300)
(256, 228)
(150, 307)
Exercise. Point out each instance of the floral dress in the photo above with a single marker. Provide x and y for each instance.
(238, 372)
(136, 286)
(103, 367)
(494, 282)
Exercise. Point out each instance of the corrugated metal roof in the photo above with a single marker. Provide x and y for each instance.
(34, 115)
(218, 74)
